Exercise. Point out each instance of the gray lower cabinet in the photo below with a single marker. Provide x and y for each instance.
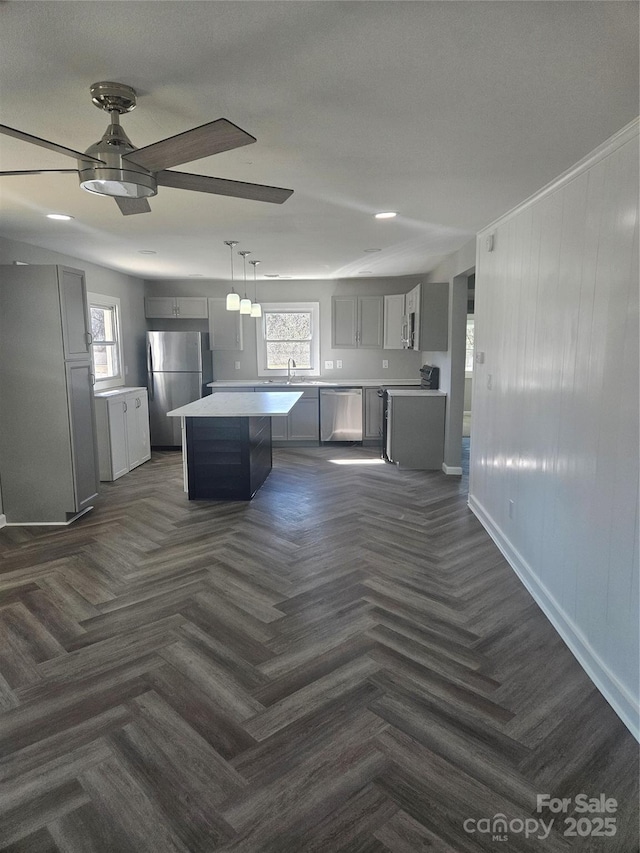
(415, 430)
(48, 452)
(123, 431)
(373, 412)
(303, 421)
(225, 327)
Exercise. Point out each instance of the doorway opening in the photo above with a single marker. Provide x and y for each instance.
(468, 372)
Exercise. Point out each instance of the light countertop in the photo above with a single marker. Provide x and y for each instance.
(415, 392)
(313, 382)
(123, 389)
(239, 405)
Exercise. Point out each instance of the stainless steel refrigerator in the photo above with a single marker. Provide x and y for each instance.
(179, 367)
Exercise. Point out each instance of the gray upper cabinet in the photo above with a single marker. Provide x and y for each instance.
(225, 327)
(395, 331)
(74, 312)
(432, 312)
(176, 307)
(48, 452)
(356, 322)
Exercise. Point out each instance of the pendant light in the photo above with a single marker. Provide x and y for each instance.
(233, 298)
(256, 308)
(245, 302)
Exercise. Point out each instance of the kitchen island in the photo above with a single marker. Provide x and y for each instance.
(226, 442)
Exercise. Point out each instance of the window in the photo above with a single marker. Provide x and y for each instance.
(468, 365)
(106, 344)
(289, 330)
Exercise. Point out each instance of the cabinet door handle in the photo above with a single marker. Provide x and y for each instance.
(138, 404)
(93, 378)
(89, 339)
(125, 408)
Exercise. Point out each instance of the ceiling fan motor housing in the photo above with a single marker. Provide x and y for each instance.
(115, 178)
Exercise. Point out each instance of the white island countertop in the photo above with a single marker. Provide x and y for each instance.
(240, 405)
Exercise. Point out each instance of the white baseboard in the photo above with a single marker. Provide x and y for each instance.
(452, 469)
(3, 520)
(614, 691)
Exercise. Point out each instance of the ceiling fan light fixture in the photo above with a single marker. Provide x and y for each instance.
(256, 308)
(126, 189)
(233, 298)
(245, 302)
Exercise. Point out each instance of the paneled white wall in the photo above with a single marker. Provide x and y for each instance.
(554, 467)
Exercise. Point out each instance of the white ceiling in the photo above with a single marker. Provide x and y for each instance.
(448, 112)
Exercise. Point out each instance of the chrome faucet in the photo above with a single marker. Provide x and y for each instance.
(290, 363)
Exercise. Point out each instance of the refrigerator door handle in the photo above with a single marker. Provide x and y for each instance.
(150, 382)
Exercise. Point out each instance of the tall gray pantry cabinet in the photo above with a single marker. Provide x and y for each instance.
(48, 451)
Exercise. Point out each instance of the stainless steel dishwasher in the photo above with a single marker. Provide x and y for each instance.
(341, 414)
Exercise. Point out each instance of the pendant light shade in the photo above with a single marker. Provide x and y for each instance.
(256, 308)
(245, 302)
(233, 298)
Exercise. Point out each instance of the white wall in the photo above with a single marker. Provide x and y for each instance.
(129, 289)
(356, 363)
(555, 408)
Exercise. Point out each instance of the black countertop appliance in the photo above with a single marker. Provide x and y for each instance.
(430, 377)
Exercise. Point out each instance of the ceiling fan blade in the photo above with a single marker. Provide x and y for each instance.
(132, 205)
(44, 143)
(203, 141)
(221, 186)
(42, 172)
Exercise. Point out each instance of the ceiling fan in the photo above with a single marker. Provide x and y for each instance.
(115, 167)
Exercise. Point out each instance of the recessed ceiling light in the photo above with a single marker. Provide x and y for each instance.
(272, 275)
(64, 217)
(386, 214)
(147, 252)
(365, 272)
(372, 250)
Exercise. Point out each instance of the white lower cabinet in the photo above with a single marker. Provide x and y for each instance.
(122, 419)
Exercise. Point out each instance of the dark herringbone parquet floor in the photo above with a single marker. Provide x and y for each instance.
(344, 664)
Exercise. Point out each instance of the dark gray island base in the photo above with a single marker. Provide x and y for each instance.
(227, 442)
(227, 458)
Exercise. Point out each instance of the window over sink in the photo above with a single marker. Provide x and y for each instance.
(106, 343)
(289, 330)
